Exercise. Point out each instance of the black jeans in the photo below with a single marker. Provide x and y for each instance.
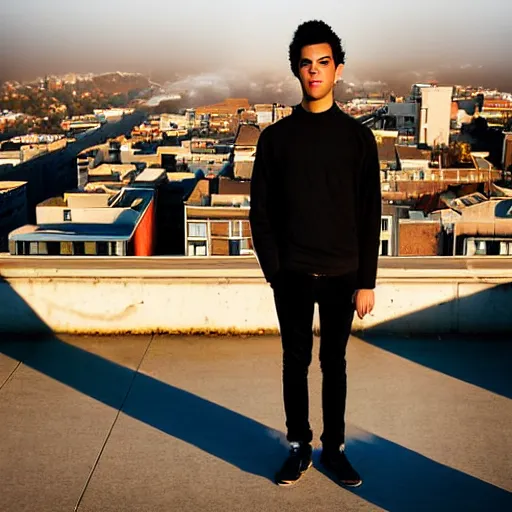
(295, 297)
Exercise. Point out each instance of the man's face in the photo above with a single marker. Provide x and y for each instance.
(317, 71)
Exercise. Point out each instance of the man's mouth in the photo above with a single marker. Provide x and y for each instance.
(314, 83)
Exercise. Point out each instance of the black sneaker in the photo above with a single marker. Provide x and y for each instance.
(297, 463)
(337, 463)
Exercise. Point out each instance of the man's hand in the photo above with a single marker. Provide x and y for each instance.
(364, 301)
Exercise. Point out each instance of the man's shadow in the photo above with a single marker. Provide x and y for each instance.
(401, 480)
(226, 434)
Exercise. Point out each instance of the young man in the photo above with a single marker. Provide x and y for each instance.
(315, 220)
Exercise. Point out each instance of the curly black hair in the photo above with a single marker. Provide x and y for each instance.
(314, 32)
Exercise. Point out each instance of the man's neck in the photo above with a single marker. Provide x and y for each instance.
(317, 106)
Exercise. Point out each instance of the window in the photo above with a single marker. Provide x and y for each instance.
(245, 246)
(481, 248)
(43, 248)
(53, 248)
(197, 248)
(384, 224)
(90, 248)
(197, 230)
(234, 247)
(67, 215)
(120, 248)
(236, 230)
(78, 248)
(384, 248)
(505, 248)
(66, 248)
(102, 248)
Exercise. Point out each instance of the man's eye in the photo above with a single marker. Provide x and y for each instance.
(324, 62)
(304, 63)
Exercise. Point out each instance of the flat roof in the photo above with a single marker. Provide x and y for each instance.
(73, 233)
(178, 176)
(136, 199)
(151, 174)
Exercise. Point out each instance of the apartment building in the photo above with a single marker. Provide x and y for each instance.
(244, 150)
(217, 219)
(13, 209)
(484, 227)
(435, 116)
(90, 225)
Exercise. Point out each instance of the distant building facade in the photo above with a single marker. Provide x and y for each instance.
(507, 152)
(90, 225)
(13, 209)
(484, 227)
(244, 150)
(435, 116)
(217, 219)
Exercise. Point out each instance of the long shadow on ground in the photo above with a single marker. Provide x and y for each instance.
(482, 362)
(401, 480)
(230, 436)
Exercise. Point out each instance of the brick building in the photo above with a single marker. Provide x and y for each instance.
(217, 219)
(420, 238)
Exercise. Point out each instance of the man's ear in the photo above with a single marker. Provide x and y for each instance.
(338, 72)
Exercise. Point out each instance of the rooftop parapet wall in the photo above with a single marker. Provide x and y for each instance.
(183, 295)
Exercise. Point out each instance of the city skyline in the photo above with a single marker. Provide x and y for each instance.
(446, 42)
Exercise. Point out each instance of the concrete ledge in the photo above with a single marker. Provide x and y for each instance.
(162, 295)
(245, 267)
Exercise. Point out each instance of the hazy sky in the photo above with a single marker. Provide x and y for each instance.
(383, 39)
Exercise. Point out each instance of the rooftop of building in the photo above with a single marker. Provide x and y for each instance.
(247, 135)
(114, 219)
(386, 141)
(73, 232)
(412, 153)
(108, 168)
(205, 413)
(243, 169)
(229, 105)
(152, 175)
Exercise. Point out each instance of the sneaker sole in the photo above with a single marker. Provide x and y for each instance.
(358, 484)
(289, 484)
(341, 482)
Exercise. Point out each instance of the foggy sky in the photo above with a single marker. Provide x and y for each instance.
(451, 40)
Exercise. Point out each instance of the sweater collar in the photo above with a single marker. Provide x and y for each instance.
(315, 116)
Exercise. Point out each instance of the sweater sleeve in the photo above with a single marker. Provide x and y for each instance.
(260, 215)
(369, 215)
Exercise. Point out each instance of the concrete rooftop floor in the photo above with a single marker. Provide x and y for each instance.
(160, 423)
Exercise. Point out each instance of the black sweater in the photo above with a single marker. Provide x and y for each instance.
(315, 196)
